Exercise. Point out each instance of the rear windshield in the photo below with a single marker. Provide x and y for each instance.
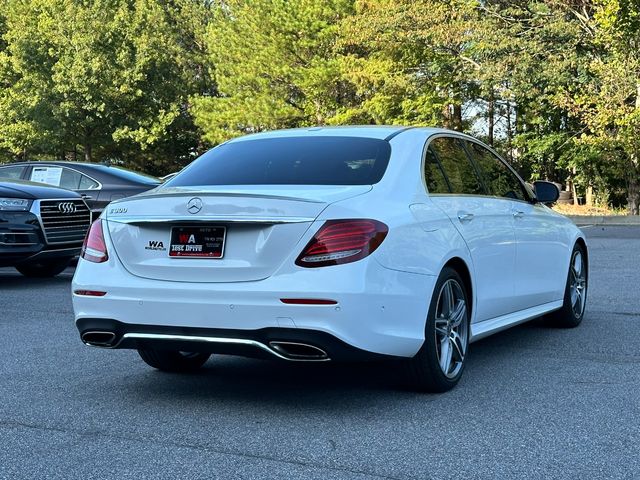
(129, 175)
(290, 161)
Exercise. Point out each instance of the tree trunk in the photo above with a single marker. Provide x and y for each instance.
(490, 119)
(633, 195)
(87, 152)
(588, 199)
(509, 132)
(457, 117)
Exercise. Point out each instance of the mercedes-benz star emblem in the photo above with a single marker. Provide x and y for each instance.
(67, 208)
(194, 205)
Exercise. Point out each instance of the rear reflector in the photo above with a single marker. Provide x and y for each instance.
(90, 293)
(307, 301)
(342, 241)
(94, 248)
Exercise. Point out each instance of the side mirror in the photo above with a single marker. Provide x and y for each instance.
(546, 192)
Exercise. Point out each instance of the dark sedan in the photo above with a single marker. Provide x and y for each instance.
(98, 183)
(41, 227)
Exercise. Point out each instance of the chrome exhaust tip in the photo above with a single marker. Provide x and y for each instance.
(99, 338)
(299, 351)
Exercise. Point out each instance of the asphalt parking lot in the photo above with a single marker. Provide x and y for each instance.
(534, 402)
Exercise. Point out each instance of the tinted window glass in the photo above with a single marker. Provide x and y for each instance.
(11, 172)
(290, 161)
(433, 175)
(128, 175)
(457, 167)
(87, 184)
(500, 181)
(70, 179)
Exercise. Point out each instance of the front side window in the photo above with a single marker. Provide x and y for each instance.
(458, 169)
(290, 161)
(498, 178)
(13, 173)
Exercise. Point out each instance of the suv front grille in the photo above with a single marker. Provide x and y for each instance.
(65, 221)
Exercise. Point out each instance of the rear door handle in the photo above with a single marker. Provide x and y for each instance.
(518, 214)
(465, 217)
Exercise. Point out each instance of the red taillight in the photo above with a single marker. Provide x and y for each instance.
(342, 241)
(94, 248)
(90, 293)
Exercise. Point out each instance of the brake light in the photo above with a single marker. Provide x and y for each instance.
(94, 248)
(342, 241)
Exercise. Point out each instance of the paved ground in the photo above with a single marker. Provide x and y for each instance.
(534, 402)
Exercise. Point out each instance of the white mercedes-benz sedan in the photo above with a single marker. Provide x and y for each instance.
(331, 244)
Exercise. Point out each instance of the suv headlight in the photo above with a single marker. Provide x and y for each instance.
(14, 204)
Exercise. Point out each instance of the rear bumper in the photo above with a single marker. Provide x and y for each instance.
(287, 344)
(378, 311)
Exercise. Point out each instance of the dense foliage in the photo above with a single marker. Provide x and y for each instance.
(554, 85)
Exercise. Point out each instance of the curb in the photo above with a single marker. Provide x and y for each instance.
(617, 220)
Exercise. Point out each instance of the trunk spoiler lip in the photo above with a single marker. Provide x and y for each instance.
(181, 191)
(145, 219)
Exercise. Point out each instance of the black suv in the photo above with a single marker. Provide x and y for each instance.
(41, 228)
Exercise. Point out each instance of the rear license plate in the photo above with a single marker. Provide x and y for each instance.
(197, 242)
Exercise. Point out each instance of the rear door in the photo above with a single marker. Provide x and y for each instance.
(485, 223)
(541, 252)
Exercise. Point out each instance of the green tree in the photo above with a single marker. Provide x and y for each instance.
(610, 104)
(112, 76)
(409, 61)
(274, 66)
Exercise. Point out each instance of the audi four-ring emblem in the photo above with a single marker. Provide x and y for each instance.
(67, 207)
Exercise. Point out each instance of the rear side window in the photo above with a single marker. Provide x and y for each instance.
(433, 174)
(458, 169)
(290, 161)
(498, 178)
(11, 172)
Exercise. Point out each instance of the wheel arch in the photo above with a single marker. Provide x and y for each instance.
(460, 266)
(580, 241)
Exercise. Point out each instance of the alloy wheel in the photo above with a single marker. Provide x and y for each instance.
(451, 328)
(578, 283)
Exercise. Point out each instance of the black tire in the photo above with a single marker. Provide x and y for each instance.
(43, 268)
(424, 371)
(570, 316)
(173, 360)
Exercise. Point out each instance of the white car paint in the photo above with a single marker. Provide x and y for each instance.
(517, 255)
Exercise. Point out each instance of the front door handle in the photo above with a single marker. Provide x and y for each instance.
(518, 214)
(465, 217)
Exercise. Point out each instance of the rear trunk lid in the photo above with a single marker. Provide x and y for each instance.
(230, 234)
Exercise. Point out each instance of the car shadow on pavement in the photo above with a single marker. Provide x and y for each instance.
(11, 278)
(226, 378)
